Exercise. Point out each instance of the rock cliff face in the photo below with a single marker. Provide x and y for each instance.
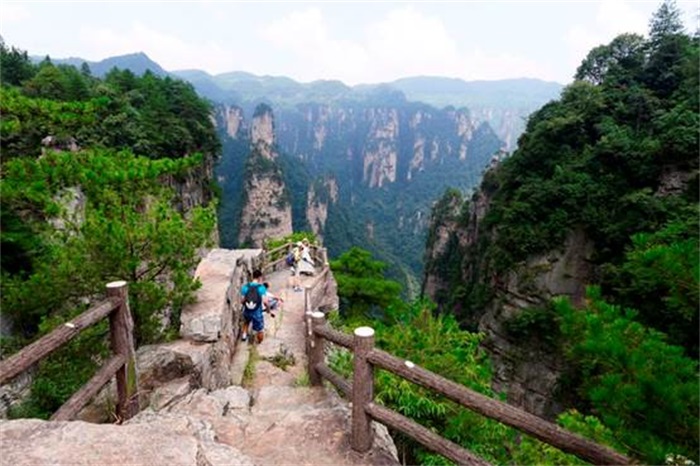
(390, 162)
(267, 210)
(231, 119)
(380, 156)
(524, 369)
(318, 200)
(262, 133)
(391, 143)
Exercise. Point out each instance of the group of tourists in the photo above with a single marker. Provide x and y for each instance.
(256, 297)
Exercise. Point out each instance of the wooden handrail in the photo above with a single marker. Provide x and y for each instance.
(334, 336)
(341, 383)
(122, 364)
(537, 427)
(31, 354)
(425, 436)
(80, 398)
(522, 420)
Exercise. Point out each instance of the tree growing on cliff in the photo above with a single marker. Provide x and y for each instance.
(125, 227)
(362, 288)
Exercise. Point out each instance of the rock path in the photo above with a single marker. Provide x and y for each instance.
(293, 423)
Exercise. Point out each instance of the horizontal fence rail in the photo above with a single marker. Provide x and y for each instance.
(425, 436)
(31, 354)
(360, 392)
(71, 407)
(122, 364)
(334, 336)
(274, 257)
(522, 420)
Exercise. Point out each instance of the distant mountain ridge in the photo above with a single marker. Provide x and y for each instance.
(505, 104)
(138, 63)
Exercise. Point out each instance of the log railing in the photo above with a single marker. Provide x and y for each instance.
(122, 364)
(274, 258)
(361, 392)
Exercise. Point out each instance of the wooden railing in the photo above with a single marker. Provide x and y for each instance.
(274, 258)
(122, 363)
(361, 392)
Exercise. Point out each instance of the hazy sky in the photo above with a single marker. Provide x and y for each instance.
(356, 42)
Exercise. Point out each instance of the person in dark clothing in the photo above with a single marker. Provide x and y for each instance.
(254, 299)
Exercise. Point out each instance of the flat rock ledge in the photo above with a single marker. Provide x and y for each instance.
(231, 426)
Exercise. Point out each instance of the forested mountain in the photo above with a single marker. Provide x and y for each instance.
(137, 63)
(578, 256)
(102, 180)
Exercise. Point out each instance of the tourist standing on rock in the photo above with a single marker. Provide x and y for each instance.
(306, 266)
(296, 254)
(253, 299)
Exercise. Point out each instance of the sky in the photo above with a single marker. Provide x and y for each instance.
(352, 41)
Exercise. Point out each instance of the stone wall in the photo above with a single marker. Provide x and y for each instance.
(209, 329)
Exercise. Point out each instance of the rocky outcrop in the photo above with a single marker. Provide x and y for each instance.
(193, 188)
(267, 210)
(281, 425)
(380, 155)
(149, 438)
(15, 391)
(525, 370)
(230, 117)
(319, 197)
(262, 132)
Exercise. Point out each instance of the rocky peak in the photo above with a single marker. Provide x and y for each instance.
(262, 131)
(381, 153)
(267, 210)
(232, 118)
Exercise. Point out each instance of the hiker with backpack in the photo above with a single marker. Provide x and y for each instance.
(253, 299)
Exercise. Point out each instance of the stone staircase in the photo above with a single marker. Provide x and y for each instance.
(209, 405)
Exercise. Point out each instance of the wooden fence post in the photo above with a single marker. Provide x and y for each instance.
(363, 389)
(317, 352)
(121, 330)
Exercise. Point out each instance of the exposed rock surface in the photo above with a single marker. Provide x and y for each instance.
(231, 118)
(267, 211)
(262, 133)
(526, 371)
(318, 200)
(161, 441)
